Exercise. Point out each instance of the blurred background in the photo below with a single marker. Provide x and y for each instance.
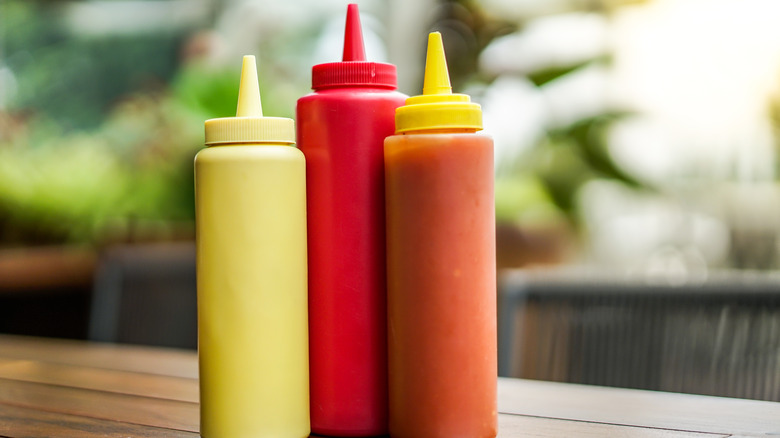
(637, 203)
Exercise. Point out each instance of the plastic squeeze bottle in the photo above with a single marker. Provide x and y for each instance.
(441, 264)
(341, 128)
(251, 272)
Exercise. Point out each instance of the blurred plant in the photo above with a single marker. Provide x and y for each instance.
(568, 151)
(136, 168)
(526, 194)
(64, 75)
(568, 157)
(98, 133)
(84, 159)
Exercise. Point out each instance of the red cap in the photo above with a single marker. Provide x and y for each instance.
(353, 70)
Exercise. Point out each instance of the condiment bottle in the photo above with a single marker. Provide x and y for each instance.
(341, 128)
(441, 264)
(251, 274)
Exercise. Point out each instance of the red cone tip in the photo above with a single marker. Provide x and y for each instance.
(353, 36)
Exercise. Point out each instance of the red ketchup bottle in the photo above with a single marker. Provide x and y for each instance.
(341, 129)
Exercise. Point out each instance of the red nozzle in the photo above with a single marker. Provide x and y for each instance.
(353, 70)
(353, 36)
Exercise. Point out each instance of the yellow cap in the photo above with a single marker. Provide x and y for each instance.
(437, 107)
(249, 125)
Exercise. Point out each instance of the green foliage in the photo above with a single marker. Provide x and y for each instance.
(548, 177)
(569, 157)
(94, 139)
(75, 79)
(590, 135)
(72, 187)
(524, 199)
(541, 77)
(211, 92)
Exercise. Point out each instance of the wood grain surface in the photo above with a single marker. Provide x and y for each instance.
(151, 360)
(124, 382)
(58, 388)
(659, 410)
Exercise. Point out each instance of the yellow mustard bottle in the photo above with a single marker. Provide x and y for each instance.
(250, 195)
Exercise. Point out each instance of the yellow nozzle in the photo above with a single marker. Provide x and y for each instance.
(249, 91)
(437, 108)
(249, 126)
(437, 78)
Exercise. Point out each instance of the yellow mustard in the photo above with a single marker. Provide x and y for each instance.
(251, 273)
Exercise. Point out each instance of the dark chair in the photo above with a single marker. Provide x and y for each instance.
(718, 336)
(146, 294)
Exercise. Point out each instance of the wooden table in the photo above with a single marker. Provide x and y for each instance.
(57, 388)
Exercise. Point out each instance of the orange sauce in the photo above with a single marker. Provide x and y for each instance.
(441, 285)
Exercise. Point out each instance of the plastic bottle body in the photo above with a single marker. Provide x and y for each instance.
(341, 133)
(441, 285)
(252, 303)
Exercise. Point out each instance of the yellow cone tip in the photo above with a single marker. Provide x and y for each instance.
(249, 91)
(438, 108)
(437, 78)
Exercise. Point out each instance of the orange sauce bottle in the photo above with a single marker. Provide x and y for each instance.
(441, 264)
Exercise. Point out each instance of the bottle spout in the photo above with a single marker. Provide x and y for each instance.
(249, 126)
(437, 78)
(249, 104)
(353, 36)
(438, 107)
(353, 70)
